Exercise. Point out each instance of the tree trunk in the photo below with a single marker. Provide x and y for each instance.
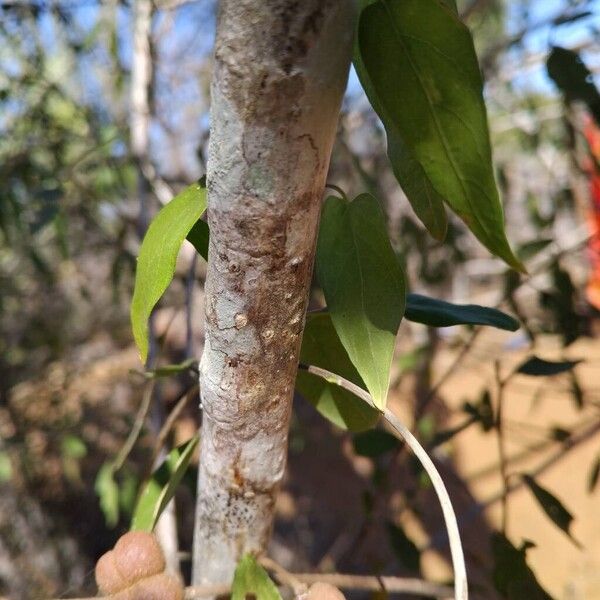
(280, 72)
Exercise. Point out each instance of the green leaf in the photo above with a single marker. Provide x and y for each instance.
(169, 370)
(108, 491)
(574, 79)
(321, 347)
(438, 313)
(426, 202)
(552, 506)
(161, 487)
(250, 580)
(6, 469)
(199, 237)
(512, 576)
(374, 443)
(539, 367)
(363, 285)
(424, 76)
(158, 255)
(404, 548)
(73, 447)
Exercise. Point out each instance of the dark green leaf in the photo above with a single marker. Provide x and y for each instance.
(322, 347)
(574, 79)
(404, 548)
(108, 492)
(250, 580)
(438, 313)
(424, 79)
(512, 576)
(161, 487)
(363, 285)
(539, 367)
(530, 249)
(594, 475)
(375, 442)
(551, 505)
(158, 255)
(199, 237)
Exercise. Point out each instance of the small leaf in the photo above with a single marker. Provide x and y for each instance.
(438, 313)
(424, 79)
(161, 487)
(512, 576)
(321, 347)
(73, 447)
(6, 469)
(552, 506)
(199, 236)
(158, 256)
(108, 491)
(539, 367)
(363, 285)
(374, 443)
(250, 580)
(593, 476)
(404, 548)
(530, 249)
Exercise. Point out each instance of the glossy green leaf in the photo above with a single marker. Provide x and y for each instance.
(321, 347)
(512, 576)
(425, 201)
(551, 505)
(161, 487)
(108, 492)
(363, 285)
(423, 72)
(158, 255)
(538, 367)
(438, 313)
(374, 443)
(250, 580)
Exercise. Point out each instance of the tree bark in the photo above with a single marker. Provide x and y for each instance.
(281, 68)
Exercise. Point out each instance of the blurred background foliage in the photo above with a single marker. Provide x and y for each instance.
(75, 201)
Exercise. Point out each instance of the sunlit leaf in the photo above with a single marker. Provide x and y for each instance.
(424, 80)
(250, 580)
(438, 313)
(158, 256)
(321, 347)
(161, 487)
(363, 285)
(539, 367)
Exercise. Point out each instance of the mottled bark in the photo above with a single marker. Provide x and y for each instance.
(280, 71)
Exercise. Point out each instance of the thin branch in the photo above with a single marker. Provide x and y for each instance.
(137, 427)
(456, 551)
(283, 576)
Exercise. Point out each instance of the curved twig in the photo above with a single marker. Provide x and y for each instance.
(458, 560)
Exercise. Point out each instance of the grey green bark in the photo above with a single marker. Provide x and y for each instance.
(280, 72)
